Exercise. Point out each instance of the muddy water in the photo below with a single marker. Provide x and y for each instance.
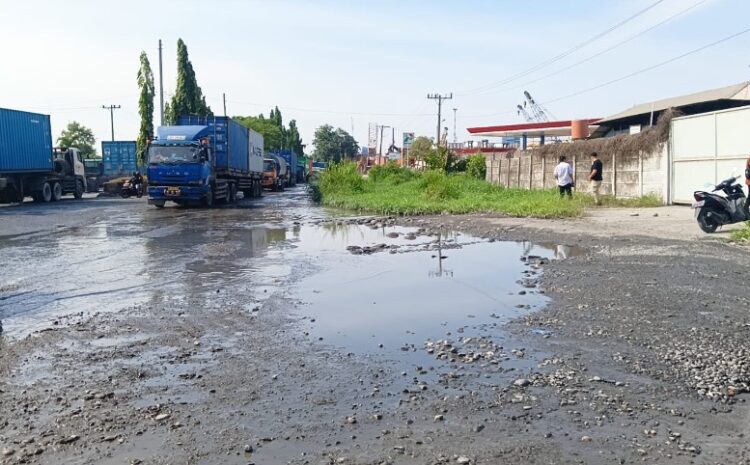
(386, 303)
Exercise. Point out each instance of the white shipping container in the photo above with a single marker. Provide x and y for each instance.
(255, 151)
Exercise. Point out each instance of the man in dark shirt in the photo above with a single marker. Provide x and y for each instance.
(596, 176)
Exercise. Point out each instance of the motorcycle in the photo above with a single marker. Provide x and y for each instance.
(131, 190)
(714, 210)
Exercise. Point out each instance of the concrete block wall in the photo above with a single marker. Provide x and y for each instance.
(624, 176)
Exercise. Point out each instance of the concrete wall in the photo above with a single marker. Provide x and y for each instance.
(624, 177)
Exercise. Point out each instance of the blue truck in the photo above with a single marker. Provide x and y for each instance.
(204, 159)
(30, 166)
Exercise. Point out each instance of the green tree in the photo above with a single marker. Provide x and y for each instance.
(440, 159)
(333, 145)
(145, 105)
(272, 137)
(75, 135)
(188, 98)
(294, 141)
(421, 148)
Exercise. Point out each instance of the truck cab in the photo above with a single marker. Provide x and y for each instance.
(181, 166)
(271, 178)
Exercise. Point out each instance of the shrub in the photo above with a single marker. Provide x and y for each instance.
(436, 185)
(391, 173)
(341, 178)
(476, 166)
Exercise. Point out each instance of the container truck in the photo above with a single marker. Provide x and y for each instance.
(283, 170)
(30, 166)
(271, 178)
(119, 158)
(204, 159)
(291, 160)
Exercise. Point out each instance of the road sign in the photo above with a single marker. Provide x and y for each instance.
(408, 139)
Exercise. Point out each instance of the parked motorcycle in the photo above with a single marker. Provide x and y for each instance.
(131, 190)
(714, 210)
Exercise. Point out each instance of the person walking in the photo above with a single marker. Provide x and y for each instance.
(596, 177)
(564, 175)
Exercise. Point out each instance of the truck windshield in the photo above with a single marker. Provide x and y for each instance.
(268, 165)
(172, 154)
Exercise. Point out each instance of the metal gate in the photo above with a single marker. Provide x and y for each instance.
(707, 148)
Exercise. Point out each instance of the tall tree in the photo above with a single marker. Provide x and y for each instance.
(333, 145)
(145, 105)
(294, 140)
(188, 98)
(75, 135)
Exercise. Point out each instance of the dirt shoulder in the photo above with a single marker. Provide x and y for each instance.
(669, 223)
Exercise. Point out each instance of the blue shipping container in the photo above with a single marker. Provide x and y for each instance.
(291, 160)
(229, 140)
(25, 142)
(119, 158)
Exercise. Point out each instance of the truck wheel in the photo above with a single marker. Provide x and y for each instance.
(209, 200)
(78, 194)
(57, 191)
(158, 203)
(46, 194)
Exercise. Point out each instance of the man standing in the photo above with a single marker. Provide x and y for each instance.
(564, 176)
(596, 176)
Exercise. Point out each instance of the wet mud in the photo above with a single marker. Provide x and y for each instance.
(279, 332)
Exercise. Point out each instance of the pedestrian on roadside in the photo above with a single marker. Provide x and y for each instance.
(596, 177)
(747, 181)
(564, 176)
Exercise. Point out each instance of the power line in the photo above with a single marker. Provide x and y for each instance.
(560, 56)
(334, 112)
(596, 55)
(652, 67)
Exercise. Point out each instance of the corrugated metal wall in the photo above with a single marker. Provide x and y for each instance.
(25, 142)
(119, 157)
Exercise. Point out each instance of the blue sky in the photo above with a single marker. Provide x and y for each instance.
(352, 63)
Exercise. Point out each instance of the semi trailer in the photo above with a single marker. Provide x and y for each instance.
(30, 166)
(204, 159)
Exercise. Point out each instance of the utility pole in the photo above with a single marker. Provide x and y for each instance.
(224, 99)
(439, 99)
(455, 139)
(112, 109)
(161, 88)
(380, 150)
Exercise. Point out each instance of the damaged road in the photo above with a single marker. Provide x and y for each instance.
(253, 335)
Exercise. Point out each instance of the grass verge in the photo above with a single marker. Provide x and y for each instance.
(394, 191)
(742, 235)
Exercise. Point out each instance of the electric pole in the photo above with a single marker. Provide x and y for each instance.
(439, 99)
(224, 99)
(112, 109)
(455, 139)
(161, 89)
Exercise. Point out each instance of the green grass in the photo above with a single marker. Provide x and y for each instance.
(742, 235)
(395, 191)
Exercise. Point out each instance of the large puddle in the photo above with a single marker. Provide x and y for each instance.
(367, 289)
